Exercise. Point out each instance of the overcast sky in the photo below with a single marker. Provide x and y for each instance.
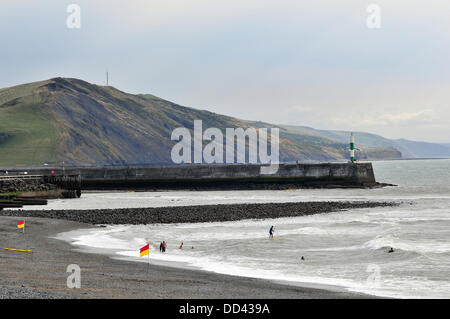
(313, 63)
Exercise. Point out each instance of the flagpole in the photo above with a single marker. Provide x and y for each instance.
(148, 259)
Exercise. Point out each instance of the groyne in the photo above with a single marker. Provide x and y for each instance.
(235, 176)
(197, 214)
(20, 190)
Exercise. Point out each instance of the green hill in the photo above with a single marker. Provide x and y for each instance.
(80, 123)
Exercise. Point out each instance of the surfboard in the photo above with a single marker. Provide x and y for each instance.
(19, 250)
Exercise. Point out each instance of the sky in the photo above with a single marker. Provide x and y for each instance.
(312, 63)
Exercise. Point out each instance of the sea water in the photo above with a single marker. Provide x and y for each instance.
(348, 249)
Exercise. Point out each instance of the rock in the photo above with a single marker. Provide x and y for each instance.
(197, 214)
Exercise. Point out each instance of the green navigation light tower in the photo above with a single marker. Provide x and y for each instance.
(352, 147)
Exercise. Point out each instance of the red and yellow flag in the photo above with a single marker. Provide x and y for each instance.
(145, 250)
(21, 224)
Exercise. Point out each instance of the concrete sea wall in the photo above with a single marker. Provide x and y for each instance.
(20, 190)
(235, 176)
(18, 182)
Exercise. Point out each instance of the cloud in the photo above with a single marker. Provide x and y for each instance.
(403, 118)
(301, 109)
(299, 62)
(370, 120)
(423, 116)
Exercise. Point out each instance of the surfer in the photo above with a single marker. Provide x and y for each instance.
(391, 250)
(181, 246)
(271, 230)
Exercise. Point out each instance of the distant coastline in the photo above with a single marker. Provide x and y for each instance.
(409, 159)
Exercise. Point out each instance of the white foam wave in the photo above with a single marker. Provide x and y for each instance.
(381, 242)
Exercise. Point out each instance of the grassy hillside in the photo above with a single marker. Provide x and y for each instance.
(80, 123)
(28, 135)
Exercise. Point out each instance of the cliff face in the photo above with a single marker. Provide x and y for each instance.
(80, 123)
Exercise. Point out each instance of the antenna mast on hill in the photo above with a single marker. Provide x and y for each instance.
(107, 78)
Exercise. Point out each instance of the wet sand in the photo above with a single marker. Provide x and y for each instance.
(42, 273)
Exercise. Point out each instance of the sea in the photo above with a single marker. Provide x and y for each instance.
(347, 250)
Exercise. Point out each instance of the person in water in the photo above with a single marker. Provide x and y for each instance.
(164, 245)
(181, 246)
(161, 247)
(271, 230)
(391, 250)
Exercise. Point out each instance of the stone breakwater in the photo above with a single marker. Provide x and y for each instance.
(29, 185)
(197, 214)
(41, 186)
(220, 176)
